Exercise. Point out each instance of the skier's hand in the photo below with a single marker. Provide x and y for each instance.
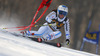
(67, 41)
(53, 24)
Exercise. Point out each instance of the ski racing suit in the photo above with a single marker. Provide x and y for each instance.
(51, 32)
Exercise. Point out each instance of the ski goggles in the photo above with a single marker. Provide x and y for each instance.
(62, 13)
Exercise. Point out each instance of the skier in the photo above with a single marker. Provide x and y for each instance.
(55, 20)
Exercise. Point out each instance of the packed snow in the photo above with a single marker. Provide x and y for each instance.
(11, 45)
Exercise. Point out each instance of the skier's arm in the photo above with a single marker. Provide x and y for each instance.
(50, 16)
(67, 31)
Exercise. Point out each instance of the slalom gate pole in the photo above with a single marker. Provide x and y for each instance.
(38, 18)
(32, 23)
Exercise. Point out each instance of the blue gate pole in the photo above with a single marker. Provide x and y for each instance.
(98, 39)
(98, 42)
(97, 49)
(82, 46)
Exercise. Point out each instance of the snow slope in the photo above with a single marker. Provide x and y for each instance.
(11, 45)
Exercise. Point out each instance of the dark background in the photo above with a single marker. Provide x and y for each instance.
(21, 12)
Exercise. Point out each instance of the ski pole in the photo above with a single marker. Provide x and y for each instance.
(18, 27)
(25, 26)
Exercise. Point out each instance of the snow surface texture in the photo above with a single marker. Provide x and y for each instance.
(11, 45)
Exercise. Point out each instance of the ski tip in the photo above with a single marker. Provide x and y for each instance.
(58, 45)
(39, 40)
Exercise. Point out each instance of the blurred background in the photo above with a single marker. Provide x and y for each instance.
(20, 13)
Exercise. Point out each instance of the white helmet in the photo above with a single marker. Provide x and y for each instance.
(62, 9)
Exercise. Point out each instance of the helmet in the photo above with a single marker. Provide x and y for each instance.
(62, 9)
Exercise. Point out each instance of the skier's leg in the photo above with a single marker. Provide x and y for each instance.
(42, 30)
(53, 35)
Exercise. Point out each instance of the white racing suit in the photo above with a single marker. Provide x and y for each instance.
(51, 32)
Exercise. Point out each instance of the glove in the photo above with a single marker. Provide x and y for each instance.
(67, 41)
(52, 24)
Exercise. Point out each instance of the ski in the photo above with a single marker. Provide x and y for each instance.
(45, 42)
(39, 40)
